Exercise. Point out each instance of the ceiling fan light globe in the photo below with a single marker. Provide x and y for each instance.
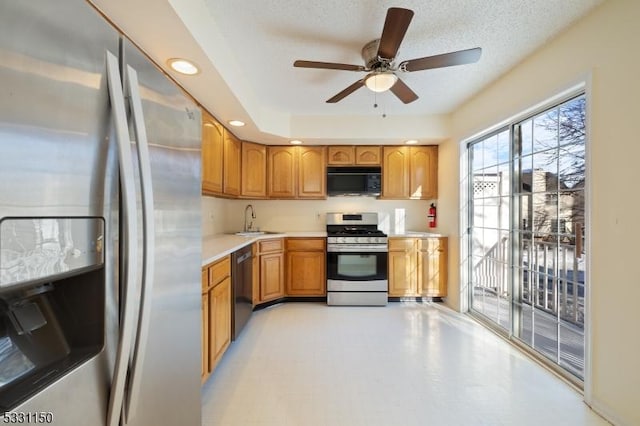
(380, 82)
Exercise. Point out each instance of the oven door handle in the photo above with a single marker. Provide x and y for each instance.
(357, 248)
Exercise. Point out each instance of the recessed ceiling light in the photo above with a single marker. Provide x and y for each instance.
(411, 142)
(295, 142)
(236, 123)
(183, 66)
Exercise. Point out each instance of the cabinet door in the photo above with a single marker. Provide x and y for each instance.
(306, 273)
(219, 321)
(395, 172)
(368, 155)
(254, 170)
(433, 266)
(205, 337)
(232, 155)
(423, 180)
(312, 172)
(212, 154)
(341, 155)
(403, 280)
(271, 276)
(281, 172)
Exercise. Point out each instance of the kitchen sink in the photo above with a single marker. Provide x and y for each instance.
(255, 233)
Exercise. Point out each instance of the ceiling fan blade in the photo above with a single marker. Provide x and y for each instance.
(460, 57)
(346, 92)
(403, 92)
(395, 27)
(328, 66)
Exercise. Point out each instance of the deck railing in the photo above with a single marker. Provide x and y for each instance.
(552, 276)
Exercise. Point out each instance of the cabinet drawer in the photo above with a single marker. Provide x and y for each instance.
(271, 246)
(219, 271)
(306, 244)
(402, 244)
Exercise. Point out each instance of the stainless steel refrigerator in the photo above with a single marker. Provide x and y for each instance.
(99, 226)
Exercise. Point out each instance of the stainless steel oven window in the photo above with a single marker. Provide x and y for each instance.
(357, 265)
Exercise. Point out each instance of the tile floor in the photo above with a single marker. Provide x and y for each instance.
(404, 364)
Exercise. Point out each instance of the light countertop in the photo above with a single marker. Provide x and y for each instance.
(416, 234)
(217, 246)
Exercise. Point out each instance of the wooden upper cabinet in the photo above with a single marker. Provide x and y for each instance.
(212, 154)
(296, 172)
(354, 155)
(341, 155)
(254, 170)
(281, 172)
(395, 172)
(312, 171)
(423, 177)
(368, 155)
(410, 172)
(232, 160)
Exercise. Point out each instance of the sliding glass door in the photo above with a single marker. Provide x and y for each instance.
(527, 228)
(549, 274)
(490, 200)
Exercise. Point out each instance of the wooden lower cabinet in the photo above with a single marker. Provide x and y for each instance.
(433, 266)
(219, 321)
(306, 267)
(402, 273)
(271, 276)
(216, 314)
(271, 269)
(418, 267)
(205, 336)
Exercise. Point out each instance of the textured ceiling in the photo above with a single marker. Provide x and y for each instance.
(247, 49)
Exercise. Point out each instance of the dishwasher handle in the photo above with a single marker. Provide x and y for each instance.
(243, 257)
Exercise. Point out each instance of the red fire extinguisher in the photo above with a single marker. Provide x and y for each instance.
(432, 216)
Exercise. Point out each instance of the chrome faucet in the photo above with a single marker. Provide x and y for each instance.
(253, 216)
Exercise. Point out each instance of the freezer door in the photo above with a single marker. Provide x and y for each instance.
(57, 160)
(167, 374)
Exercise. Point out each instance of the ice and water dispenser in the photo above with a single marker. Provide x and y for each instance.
(52, 292)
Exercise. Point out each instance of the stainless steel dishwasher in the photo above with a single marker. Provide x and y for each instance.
(241, 278)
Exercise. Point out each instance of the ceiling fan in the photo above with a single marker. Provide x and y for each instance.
(379, 56)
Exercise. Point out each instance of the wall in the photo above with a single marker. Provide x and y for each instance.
(213, 216)
(309, 215)
(602, 50)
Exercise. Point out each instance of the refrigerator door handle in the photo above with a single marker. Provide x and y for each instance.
(130, 237)
(148, 244)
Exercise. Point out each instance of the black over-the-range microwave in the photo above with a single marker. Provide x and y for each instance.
(354, 181)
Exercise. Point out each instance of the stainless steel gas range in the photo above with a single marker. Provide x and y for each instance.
(357, 255)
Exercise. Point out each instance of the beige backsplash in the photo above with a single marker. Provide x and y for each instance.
(220, 215)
